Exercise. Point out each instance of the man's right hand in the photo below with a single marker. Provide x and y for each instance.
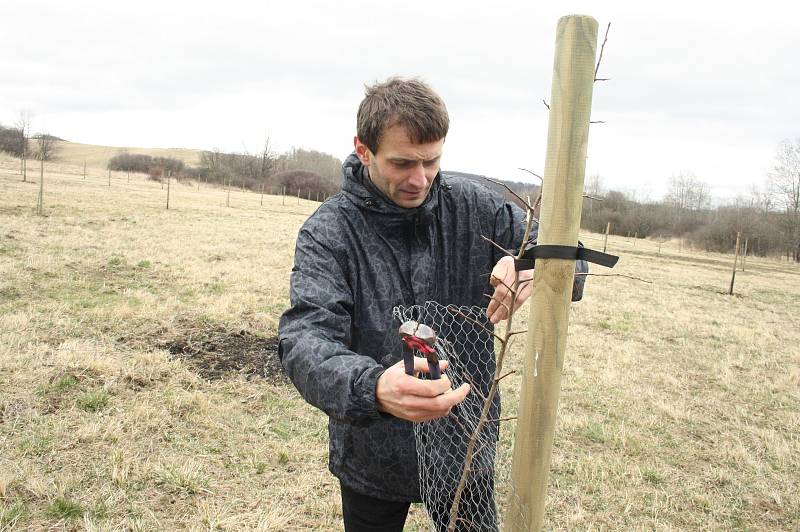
(407, 397)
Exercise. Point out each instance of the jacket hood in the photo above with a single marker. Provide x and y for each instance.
(362, 192)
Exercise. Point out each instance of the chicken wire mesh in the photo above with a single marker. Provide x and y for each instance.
(465, 340)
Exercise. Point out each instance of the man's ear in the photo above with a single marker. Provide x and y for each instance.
(362, 151)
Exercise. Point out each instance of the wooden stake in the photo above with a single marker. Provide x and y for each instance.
(735, 257)
(605, 240)
(262, 194)
(298, 195)
(562, 195)
(168, 181)
(40, 199)
(109, 177)
(283, 197)
(744, 253)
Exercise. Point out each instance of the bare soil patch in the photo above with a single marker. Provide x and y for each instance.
(214, 351)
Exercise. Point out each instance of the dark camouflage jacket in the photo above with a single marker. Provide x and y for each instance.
(357, 257)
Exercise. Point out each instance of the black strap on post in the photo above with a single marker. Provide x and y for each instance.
(534, 252)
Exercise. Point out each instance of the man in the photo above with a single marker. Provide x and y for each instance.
(399, 233)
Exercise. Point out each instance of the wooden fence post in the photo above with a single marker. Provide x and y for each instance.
(562, 196)
(735, 257)
(283, 196)
(40, 198)
(744, 253)
(109, 177)
(605, 240)
(262, 194)
(298, 195)
(228, 197)
(169, 173)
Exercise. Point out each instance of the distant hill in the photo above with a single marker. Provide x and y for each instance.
(98, 156)
(523, 189)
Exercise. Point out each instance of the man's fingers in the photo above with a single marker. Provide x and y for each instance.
(425, 409)
(421, 365)
(426, 387)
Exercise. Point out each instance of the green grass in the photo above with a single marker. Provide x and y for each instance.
(67, 509)
(10, 514)
(93, 401)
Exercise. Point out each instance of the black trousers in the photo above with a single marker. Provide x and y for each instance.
(363, 513)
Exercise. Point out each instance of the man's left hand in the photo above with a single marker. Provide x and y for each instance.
(502, 278)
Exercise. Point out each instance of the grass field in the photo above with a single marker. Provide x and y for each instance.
(135, 393)
(74, 154)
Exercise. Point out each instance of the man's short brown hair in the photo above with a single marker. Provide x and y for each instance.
(410, 103)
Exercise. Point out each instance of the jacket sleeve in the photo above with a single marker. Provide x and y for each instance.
(510, 226)
(315, 335)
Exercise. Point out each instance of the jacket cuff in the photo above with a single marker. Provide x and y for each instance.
(364, 391)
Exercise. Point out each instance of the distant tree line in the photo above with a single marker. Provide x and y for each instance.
(768, 218)
(145, 164)
(297, 169)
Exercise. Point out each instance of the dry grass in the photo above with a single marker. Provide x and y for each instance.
(74, 154)
(680, 406)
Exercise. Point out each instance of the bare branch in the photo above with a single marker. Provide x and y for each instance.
(592, 197)
(499, 302)
(616, 275)
(602, 47)
(511, 290)
(496, 182)
(518, 332)
(545, 104)
(509, 418)
(504, 375)
(454, 310)
(597, 121)
(532, 173)
(498, 246)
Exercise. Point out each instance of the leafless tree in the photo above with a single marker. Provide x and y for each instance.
(23, 126)
(267, 160)
(687, 195)
(45, 150)
(784, 180)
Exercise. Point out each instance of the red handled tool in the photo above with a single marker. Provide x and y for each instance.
(419, 337)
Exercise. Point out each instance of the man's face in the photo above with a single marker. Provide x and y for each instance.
(402, 170)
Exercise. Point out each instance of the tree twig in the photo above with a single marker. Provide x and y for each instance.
(545, 104)
(615, 275)
(509, 418)
(534, 174)
(599, 59)
(520, 198)
(498, 246)
(454, 310)
(504, 375)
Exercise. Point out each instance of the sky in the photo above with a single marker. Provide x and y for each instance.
(696, 87)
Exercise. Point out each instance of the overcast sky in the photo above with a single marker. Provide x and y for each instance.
(701, 87)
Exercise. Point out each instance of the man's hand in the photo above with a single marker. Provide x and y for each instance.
(502, 279)
(408, 397)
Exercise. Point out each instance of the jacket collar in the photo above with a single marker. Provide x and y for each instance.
(363, 193)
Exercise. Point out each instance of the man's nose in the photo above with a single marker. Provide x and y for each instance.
(417, 177)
